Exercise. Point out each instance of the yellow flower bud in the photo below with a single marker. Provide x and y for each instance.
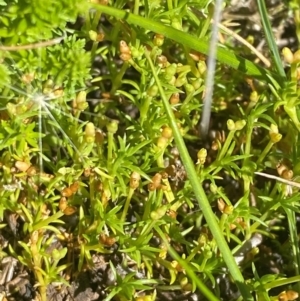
(201, 155)
(231, 125)
(287, 55)
(296, 59)
(90, 132)
(239, 125)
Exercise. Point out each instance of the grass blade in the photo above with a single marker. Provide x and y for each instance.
(270, 37)
(223, 55)
(200, 193)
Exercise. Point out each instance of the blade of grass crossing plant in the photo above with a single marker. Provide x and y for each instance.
(270, 37)
(223, 55)
(201, 286)
(200, 193)
(294, 241)
(211, 66)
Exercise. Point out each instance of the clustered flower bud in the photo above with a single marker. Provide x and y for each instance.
(170, 72)
(135, 180)
(235, 126)
(69, 191)
(156, 182)
(125, 51)
(162, 61)
(284, 171)
(288, 295)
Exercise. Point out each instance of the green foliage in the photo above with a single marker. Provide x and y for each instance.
(29, 21)
(95, 124)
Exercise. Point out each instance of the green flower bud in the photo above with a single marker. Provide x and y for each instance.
(134, 52)
(159, 213)
(162, 142)
(250, 39)
(170, 71)
(201, 67)
(213, 188)
(240, 124)
(207, 253)
(93, 35)
(180, 81)
(202, 240)
(189, 88)
(184, 281)
(112, 127)
(152, 91)
(197, 83)
(231, 125)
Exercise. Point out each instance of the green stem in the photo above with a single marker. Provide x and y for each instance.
(110, 147)
(222, 221)
(264, 152)
(126, 206)
(200, 193)
(37, 265)
(94, 49)
(136, 7)
(246, 178)
(118, 79)
(144, 108)
(149, 202)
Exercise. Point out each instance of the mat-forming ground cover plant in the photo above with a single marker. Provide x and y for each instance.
(109, 188)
